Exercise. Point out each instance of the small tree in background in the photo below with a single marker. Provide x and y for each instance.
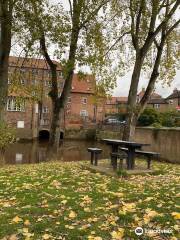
(7, 136)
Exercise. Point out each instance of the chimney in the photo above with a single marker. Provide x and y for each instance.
(175, 90)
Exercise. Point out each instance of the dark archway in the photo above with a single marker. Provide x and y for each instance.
(43, 135)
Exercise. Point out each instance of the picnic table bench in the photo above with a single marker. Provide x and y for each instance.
(149, 155)
(132, 149)
(94, 155)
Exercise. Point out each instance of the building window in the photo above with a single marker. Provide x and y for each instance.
(84, 100)
(83, 113)
(14, 105)
(34, 71)
(69, 100)
(19, 157)
(48, 83)
(157, 106)
(47, 94)
(22, 71)
(45, 109)
(59, 73)
(22, 81)
(44, 122)
(48, 72)
(20, 124)
(34, 82)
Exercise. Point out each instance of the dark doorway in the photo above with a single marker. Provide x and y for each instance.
(61, 135)
(43, 135)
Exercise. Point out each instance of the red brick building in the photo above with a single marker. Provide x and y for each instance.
(30, 117)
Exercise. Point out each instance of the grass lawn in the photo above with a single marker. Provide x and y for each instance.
(63, 201)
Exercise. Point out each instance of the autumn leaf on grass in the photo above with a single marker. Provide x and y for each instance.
(46, 236)
(176, 215)
(56, 184)
(16, 219)
(127, 207)
(118, 234)
(72, 214)
(94, 238)
(13, 237)
(149, 215)
(27, 222)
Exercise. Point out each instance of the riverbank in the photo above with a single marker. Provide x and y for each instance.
(56, 200)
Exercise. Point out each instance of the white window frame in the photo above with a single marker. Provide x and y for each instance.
(14, 106)
(157, 105)
(69, 100)
(45, 109)
(84, 113)
(45, 122)
(84, 100)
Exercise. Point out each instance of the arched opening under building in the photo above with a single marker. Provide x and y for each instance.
(61, 135)
(44, 135)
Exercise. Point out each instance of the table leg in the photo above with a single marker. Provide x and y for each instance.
(114, 149)
(130, 158)
(92, 158)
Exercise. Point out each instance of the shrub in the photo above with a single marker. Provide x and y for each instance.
(7, 135)
(156, 125)
(169, 118)
(149, 117)
(91, 134)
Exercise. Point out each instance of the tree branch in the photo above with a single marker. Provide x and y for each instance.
(172, 27)
(92, 14)
(71, 9)
(114, 44)
(138, 19)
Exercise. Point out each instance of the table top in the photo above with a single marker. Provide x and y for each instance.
(124, 143)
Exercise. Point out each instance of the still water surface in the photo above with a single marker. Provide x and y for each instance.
(35, 152)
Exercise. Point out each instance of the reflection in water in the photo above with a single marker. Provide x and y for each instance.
(35, 152)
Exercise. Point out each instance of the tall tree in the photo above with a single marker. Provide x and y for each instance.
(69, 31)
(6, 11)
(147, 40)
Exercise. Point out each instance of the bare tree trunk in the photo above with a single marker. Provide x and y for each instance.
(5, 45)
(55, 124)
(58, 103)
(131, 118)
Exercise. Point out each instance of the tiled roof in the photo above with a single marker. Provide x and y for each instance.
(30, 63)
(116, 100)
(175, 94)
(153, 95)
(157, 101)
(83, 85)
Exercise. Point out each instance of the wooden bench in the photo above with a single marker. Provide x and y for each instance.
(94, 155)
(147, 154)
(115, 156)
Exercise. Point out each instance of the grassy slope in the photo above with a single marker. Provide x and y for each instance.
(50, 200)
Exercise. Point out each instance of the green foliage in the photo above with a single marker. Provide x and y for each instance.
(7, 135)
(122, 173)
(149, 117)
(169, 118)
(156, 125)
(91, 134)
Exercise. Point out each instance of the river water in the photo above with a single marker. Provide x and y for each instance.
(35, 152)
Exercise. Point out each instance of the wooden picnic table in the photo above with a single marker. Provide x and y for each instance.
(131, 146)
